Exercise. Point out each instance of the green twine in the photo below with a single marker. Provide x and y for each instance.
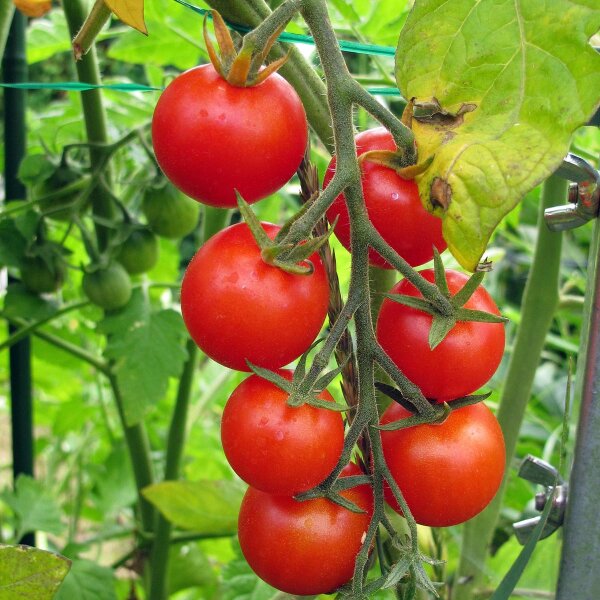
(292, 38)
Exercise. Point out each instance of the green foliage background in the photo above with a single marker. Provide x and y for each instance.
(81, 502)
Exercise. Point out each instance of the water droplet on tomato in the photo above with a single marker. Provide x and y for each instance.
(395, 195)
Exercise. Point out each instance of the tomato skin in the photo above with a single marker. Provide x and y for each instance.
(237, 307)
(447, 472)
(277, 448)
(393, 205)
(211, 137)
(304, 548)
(466, 358)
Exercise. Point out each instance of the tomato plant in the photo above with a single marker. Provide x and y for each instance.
(211, 138)
(168, 212)
(238, 308)
(277, 448)
(139, 252)
(448, 472)
(108, 287)
(304, 547)
(465, 359)
(393, 205)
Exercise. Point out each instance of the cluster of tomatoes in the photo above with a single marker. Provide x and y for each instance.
(212, 138)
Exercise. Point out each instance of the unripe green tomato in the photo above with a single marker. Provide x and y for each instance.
(39, 277)
(60, 208)
(139, 252)
(109, 287)
(170, 213)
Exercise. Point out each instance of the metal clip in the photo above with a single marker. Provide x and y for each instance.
(538, 471)
(584, 195)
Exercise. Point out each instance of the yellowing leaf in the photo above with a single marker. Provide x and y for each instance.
(33, 8)
(513, 79)
(131, 12)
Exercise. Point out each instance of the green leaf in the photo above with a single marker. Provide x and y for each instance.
(241, 583)
(34, 507)
(397, 572)
(30, 573)
(12, 244)
(22, 304)
(35, 168)
(205, 507)
(147, 348)
(174, 38)
(514, 80)
(87, 581)
(189, 567)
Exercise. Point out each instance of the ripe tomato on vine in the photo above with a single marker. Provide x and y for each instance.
(393, 205)
(211, 137)
(238, 308)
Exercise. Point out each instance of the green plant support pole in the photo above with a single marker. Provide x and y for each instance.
(14, 69)
(102, 205)
(7, 9)
(579, 576)
(213, 220)
(537, 310)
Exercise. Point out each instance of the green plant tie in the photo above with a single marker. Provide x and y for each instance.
(292, 38)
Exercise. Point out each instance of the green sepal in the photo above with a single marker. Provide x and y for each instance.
(348, 504)
(461, 297)
(318, 403)
(274, 378)
(259, 234)
(300, 370)
(326, 379)
(440, 273)
(469, 400)
(398, 571)
(440, 328)
(396, 395)
(412, 302)
(480, 316)
(346, 483)
(288, 224)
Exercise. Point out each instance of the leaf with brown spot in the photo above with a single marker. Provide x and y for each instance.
(528, 68)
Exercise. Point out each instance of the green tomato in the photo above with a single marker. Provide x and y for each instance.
(56, 203)
(108, 287)
(170, 213)
(43, 277)
(139, 252)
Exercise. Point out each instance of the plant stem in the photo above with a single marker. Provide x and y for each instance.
(139, 452)
(31, 327)
(94, 117)
(159, 557)
(539, 303)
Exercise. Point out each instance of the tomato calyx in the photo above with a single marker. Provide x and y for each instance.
(442, 324)
(397, 160)
(243, 68)
(441, 410)
(291, 258)
(296, 396)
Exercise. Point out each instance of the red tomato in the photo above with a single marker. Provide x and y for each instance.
(463, 362)
(304, 548)
(237, 307)
(211, 137)
(448, 472)
(277, 448)
(393, 205)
